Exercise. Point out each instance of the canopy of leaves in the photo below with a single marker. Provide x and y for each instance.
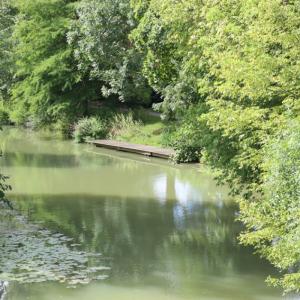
(49, 85)
(7, 17)
(274, 222)
(162, 35)
(239, 58)
(100, 37)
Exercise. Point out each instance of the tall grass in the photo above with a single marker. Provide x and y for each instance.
(123, 125)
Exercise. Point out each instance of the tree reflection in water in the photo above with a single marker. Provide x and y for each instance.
(146, 240)
(158, 226)
(32, 254)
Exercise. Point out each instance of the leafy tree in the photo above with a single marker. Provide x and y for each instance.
(273, 223)
(239, 62)
(238, 59)
(162, 35)
(49, 86)
(103, 49)
(7, 16)
(253, 58)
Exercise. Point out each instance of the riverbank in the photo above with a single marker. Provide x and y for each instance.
(148, 130)
(135, 148)
(135, 126)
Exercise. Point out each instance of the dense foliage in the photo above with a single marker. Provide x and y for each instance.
(163, 35)
(104, 51)
(90, 128)
(273, 222)
(49, 86)
(227, 74)
(7, 14)
(241, 75)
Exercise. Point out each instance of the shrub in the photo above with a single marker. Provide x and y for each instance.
(4, 117)
(64, 127)
(273, 222)
(184, 136)
(123, 124)
(90, 128)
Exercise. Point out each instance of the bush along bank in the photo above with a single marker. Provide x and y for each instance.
(137, 127)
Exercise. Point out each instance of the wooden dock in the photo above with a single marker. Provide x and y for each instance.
(134, 148)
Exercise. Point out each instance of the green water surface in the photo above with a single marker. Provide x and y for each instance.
(165, 232)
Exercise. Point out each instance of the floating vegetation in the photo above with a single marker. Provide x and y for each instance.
(31, 254)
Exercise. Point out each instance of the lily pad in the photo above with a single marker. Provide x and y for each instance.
(31, 254)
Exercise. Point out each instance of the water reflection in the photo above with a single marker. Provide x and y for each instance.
(167, 186)
(165, 231)
(32, 254)
(147, 243)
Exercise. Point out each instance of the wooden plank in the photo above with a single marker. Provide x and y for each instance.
(134, 148)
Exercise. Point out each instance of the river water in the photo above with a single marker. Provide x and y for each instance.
(164, 232)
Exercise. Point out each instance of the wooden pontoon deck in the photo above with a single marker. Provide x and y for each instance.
(134, 148)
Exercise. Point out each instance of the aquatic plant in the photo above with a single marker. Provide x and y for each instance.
(31, 254)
